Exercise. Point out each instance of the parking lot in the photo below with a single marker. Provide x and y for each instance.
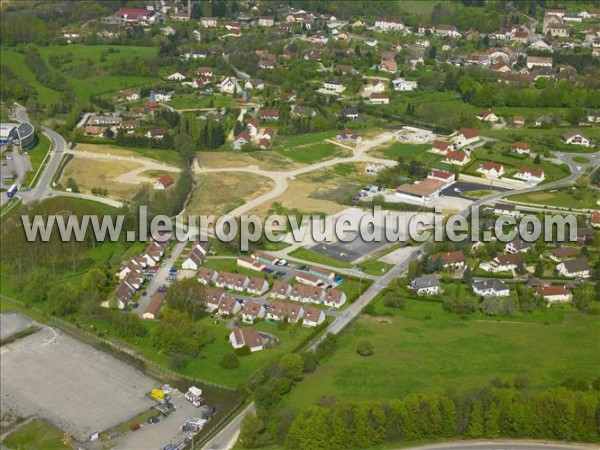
(353, 250)
(76, 387)
(12, 323)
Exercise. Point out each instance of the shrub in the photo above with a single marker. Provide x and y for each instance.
(365, 348)
(243, 351)
(230, 361)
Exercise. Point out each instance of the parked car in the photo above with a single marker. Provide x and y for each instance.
(281, 274)
(135, 305)
(303, 268)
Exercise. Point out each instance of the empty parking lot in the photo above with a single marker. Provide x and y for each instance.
(78, 388)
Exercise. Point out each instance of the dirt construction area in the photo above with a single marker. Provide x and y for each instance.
(79, 389)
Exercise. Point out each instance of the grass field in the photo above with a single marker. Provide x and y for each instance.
(397, 150)
(569, 197)
(219, 193)
(424, 349)
(36, 156)
(37, 434)
(286, 142)
(267, 160)
(312, 153)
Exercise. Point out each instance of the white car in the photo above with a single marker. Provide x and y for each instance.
(456, 190)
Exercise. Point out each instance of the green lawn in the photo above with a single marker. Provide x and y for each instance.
(315, 257)
(375, 267)
(568, 197)
(424, 349)
(397, 150)
(36, 156)
(581, 160)
(37, 434)
(312, 153)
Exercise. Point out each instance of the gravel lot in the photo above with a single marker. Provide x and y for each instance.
(78, 388)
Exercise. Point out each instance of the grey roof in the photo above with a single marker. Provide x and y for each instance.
(577, 265)
(496, 285)
(424, 282)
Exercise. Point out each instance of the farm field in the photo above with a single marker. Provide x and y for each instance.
(220, 193)
(569, 197)
(89, 174)
(424, 349)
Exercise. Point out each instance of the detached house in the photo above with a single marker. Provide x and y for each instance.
(441, 147)
(249, 263)
(554, 294)
(268, 115)
(576, 138)
(381, 98)
(561, 254)
(458, 158)
(518, 245)
(455, 259)
(520, 148)
(241, 139)
(506, 263)
(491, 169)
(531, 175)
(246, 337)
(163, 182)
(575, 268)
(466, 136)
(488, 116)
(490, 288)
(400, 84)
(595, 219)
(426, 285)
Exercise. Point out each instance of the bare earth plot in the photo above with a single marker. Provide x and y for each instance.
(76, 387)
(219, 193)
(89, 174)
(265, 160)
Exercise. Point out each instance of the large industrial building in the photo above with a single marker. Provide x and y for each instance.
(21, 134)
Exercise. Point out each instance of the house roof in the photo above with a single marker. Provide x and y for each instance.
(595, 218)
(423, 188)
(572, 134)
(227, 304)
(441, 174)
(509, 259)
(564, 252)
(247, 336)
(495, 285)
(426, 281)
(536, 172)
(577, 265)
(322, 271)
(244, 135)
(489, 166)
(312, 314)
(456, 155)
(252, 308)
(440, 145)
(450, 257)
(547, 291)
(166, 180)
(307, 292)
(520, 145)
(206, 273)
(504, 207)
(156, 302)
(469, 133)
(280, 287)
(333, 296)
(520, 244)
(376, 95)
(213, 295)
(256, 283)
(231, 279)
(286, 309)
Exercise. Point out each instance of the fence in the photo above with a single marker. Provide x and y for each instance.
(120, 349)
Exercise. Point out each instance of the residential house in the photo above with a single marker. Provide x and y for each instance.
(229, 85)
(228, 306)
(156, 301)
(268, 115)
(447, 177)
(441, 147)
(176, 76)
(266, 21)
(554, 294)
(249, 263)
(212, 296)
(447, 30)
(544, 121)
(389, 24)
(466, 136)
(207, 275)
(488, 116)
(130, 95)
(576, 138)
(205, 71)
(321, 273)
(426, 285)
(313, 317)
(457, 157)
(241, 139)
(163, 182)
(518, 245)
(490, 288)
(196, 255)
(558, 30)
(533, 175)
(584, 235)
(156, 133)
(560, 254)
(306, 278)
(123, 294)
(347, 135)
(232, 281)
(520, 148)
(253, 311)
(94, 131)
(265, 258)
(348, 113)
(379, 98)
(455, 260)
(285, 311)
(334, 298)
(595, 219)
(307, 294)
(208, 22)
(246, 337)
(334, 86)
(257, 286)
(161, 97)
(538, 61)
(574, 268)
(424, 191)
(518, 122)
(491, 169)
(388, 65)
(506, 263)
(543, 45)
(280, 290)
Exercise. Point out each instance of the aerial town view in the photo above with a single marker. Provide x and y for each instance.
(300, 224)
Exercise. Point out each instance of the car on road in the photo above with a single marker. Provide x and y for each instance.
(163, 288)
(456, 190)
(303, 268)
(135, 305)
(281, 274)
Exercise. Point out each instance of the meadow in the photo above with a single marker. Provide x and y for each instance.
(425, 349)
(568, 197)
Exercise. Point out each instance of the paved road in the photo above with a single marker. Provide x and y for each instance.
(227, 437)
(504, 445)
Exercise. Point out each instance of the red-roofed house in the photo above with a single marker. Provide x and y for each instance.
(488, 116)
(521, 148)
(163, 182)
(313, 316)
(451, 259)
(457, 157)
(379, 98)
(595, 219)
(440, 147)
(555, 293)
(131, 14)
(491, 169)
(466, 136)
(246, 337)
(533, 175)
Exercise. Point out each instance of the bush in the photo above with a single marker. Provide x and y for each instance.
(499, 306)
(459, 305)
(394, 300)
(230, 361)
(365, 348)
(243, 351)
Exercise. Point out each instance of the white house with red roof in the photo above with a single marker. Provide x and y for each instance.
(491, 169)
(379, 98)
(488, 116)
(457, 157)
(533, 175)
(163, 182)
(466, 136)
(246, 337)
(520, 148)
(554, 294)
(440, 147)
(442, 175)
